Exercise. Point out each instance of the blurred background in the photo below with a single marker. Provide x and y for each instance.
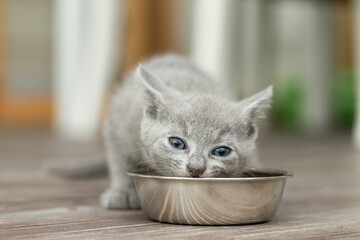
(61, 60)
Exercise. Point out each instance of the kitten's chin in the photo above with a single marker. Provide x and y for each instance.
(221, 174)
(179, 173)
(170, 174)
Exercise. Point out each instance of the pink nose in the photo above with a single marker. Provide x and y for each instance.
(195, 172)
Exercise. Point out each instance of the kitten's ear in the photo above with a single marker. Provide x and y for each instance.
(156, 92)
(255, 107)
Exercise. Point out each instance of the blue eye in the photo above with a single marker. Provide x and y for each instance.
(177, 143)
(221, 151)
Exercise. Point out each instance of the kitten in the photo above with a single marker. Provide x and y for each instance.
(175, 120)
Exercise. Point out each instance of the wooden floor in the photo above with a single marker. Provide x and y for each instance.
(322, 201)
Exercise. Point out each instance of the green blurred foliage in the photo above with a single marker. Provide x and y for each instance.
(287, 105)
(289, 97)
(343, 98)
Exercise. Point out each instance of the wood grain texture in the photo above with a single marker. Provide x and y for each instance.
(322, 201)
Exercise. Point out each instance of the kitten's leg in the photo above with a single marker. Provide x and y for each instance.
(122, 193)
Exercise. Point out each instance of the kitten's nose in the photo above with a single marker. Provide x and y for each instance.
(195, 172)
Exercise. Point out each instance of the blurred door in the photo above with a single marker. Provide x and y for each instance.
(151, 28)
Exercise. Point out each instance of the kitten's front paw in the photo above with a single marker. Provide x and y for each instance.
(120, 199)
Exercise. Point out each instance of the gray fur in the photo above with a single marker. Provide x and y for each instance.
(169, 96)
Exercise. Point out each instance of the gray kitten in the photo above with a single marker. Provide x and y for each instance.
(174, 120)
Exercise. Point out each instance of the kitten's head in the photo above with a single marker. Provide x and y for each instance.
(198, 135)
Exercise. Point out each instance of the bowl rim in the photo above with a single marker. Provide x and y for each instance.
(283, 174)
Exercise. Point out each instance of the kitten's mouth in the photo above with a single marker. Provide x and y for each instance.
(196, 176)
(195, 172)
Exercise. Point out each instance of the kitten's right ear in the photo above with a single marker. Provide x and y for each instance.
(255, 107)
(156, 92)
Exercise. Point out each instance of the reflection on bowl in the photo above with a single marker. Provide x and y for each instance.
(211, 201)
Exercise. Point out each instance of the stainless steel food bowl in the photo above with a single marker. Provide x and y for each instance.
(211, 201)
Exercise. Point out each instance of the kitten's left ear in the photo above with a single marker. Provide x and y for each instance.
(156, 92)
(255, 107)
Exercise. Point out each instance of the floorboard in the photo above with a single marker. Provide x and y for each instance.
(321, 201)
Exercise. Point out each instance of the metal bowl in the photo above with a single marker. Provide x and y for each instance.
(211, 201)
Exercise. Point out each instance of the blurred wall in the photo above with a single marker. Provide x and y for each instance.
(26, 80)
(305, 47)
